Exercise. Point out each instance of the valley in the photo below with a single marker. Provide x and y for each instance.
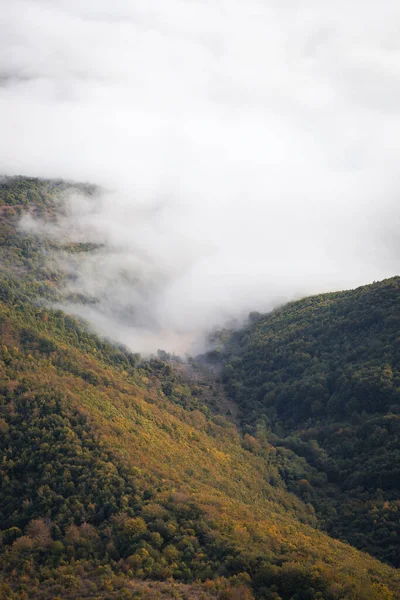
(265, 468)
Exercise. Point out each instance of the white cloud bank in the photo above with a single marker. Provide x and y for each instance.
(251, 147)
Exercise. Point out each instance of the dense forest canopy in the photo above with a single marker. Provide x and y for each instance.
(321, 378)
(126, 477)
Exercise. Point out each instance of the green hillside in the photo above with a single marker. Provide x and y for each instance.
(117, 479)
(320, 378)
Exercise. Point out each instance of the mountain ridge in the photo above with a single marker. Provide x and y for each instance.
(321, 375)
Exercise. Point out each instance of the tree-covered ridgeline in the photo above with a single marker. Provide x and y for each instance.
(320, 378)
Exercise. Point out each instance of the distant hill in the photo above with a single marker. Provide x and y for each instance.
(321, 378)
(119, 477)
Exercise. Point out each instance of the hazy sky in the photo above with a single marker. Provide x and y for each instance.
(250, 148)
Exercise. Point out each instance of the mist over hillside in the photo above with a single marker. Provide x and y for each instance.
(199, 300)
(130, 477)
(247, 151)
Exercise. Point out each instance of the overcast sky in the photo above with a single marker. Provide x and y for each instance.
(250, 149)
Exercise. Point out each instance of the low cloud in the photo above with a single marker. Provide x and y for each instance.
(249, 150)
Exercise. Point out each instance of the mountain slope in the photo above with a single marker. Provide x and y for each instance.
(321, 378)
(98, 465)
(119, 482)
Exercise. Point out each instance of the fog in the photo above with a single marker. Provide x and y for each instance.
(248, 151)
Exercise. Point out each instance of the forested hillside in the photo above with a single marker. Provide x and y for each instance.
(120, 478)
(320, 378)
